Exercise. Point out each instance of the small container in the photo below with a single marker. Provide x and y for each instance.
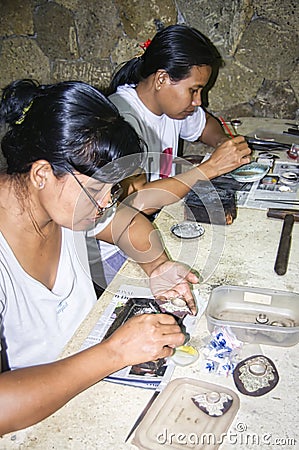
(255, 315)
(293, 153)
(187, 230)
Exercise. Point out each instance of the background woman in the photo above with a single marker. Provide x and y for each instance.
(159, 93)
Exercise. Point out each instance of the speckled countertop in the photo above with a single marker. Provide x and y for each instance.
(241, 254)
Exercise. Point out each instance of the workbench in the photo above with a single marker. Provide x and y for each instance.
(243, 254)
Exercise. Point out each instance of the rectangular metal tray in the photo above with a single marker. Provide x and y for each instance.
(255, 315)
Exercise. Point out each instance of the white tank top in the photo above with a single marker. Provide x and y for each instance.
(38, 322)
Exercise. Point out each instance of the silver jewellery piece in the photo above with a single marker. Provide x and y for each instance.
(174, 305)
(41, 185)
(213, 403)
(178, 301)
(256, 374)
(262, 319)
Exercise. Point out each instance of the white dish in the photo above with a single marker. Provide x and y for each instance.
(187, 230)
(185, 355)
(250, 172)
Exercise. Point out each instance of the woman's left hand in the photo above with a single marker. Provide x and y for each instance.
(172, 279)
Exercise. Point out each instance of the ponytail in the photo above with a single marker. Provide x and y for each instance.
(175, 49)
(128, 73)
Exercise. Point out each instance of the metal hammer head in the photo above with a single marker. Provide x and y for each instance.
(282, 213)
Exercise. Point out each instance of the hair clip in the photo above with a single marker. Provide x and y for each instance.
(25, 110)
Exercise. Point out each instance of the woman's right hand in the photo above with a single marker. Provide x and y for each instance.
(228, 156)
(144, 338)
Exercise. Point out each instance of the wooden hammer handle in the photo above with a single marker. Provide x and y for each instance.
(283, 251)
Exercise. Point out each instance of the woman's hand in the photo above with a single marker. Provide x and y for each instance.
(172, 279)
(227, 156)
(29, 395)
(144, 338)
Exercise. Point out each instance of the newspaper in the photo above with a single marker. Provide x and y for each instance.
(129, 375)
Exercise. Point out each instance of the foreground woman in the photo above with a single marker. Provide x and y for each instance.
(66, 149)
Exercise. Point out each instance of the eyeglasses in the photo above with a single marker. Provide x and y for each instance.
(116, 192)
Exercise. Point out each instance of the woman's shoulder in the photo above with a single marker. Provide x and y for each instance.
(125, 98)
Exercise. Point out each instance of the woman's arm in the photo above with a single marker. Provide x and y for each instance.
(152, 196)
(138, 238)
(29, 395)
(213, 134)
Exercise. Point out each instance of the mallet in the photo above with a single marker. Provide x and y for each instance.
(289, 216)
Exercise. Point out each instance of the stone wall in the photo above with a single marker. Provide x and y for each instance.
(87, 39)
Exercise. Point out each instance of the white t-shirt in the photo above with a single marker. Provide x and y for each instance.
(161, 133)
(38, 322)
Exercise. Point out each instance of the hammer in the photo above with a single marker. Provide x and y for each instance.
(289, 216)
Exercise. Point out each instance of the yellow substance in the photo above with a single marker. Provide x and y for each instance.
(187, 349)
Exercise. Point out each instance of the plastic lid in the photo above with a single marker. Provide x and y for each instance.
(174, 415)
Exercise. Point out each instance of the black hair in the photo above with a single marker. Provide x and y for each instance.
(176, 49)
(70, 124)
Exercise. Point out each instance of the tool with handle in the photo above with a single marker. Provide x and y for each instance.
(289, 217)
(160, 387)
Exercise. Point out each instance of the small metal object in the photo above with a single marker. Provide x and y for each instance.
(214, 404)
(143, 413)
(262, 319)
(277, 323)
(294, 125)
(175, 305)
(187, 230)
(178, 301)
(289, 178)
(255, 375)
(257, 368)
(283, 322)
(268, 155)
(236, 122)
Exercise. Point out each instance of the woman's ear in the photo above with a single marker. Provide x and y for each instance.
(40, 171)
(161, 77)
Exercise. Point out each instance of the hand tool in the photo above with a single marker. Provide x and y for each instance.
(143, 413)
(287, 201)
(289, 217)
(260, 144)
(294, 131)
